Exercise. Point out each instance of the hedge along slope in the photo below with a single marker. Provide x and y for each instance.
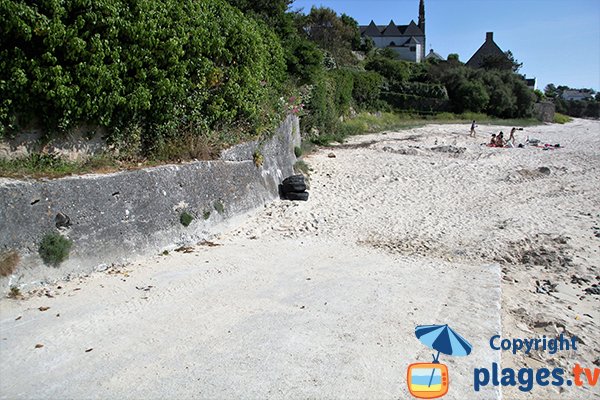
(145, 69)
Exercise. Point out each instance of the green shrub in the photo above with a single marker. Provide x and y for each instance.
(322, 114)
(298, 151)
(393, 70)
(303, 58)
(146, 70)
(258, 158)
(561, 118)
(206, 215)
(218, 206)
(186, 218)
(501, 94)
(471, 96)
(54, 249)
(14, 292)
(445, 116)
(409, 102)
(342, 82)
(367, 89)
(49, 165)
(419, 89)
(368, 123)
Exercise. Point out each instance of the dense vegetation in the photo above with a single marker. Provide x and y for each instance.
(162, 77)
(148, 71)
(586, 108)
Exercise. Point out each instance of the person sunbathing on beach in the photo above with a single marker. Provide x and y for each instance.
(493, 141)
(500, 139)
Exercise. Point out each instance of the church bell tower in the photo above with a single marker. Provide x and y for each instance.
(422, 15)
(422, 24)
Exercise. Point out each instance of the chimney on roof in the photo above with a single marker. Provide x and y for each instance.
(489, 37)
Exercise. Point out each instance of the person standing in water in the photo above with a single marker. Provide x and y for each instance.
(472, 129)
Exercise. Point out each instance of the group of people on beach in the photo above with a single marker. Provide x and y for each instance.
(498, 140)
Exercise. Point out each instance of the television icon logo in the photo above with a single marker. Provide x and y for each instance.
(430, 380)
(427, 380)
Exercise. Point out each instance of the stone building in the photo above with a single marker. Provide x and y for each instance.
(406, 40)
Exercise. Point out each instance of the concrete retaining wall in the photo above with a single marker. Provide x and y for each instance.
(122, 216)
(544, 111)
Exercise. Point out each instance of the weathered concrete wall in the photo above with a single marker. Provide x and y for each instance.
(119, 217)
(544, 111)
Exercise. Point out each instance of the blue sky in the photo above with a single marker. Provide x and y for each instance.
(558, 41)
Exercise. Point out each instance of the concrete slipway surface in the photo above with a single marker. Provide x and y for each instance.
(294, 300)
(293, 319)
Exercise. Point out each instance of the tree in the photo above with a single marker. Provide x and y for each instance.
(367, 88)
(352, 26)
(304, 60)
(471, 96)
(332, 33)
(367, 44)
(504, 62)
(393, 70)
(272, 12)
(525, 97)
(515, 64)
(539, 95)
(550, 91)
(389, 53)
(502, 99)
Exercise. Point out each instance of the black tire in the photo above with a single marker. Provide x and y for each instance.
(302, 196)
(293, 187)
(294, 180)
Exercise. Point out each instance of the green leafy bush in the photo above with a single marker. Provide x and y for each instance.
(393, 70)
(54, 249)
(186, 218)
(419, 89)
(322, 115)
(561, 118)
(49, 165)
(342, 82)
(408, 102)
(146, 70)
(304, 60)
(471, 96)
(500, 94)
(219, 207)
(367, 89)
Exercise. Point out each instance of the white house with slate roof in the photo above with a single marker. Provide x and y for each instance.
(407, 40)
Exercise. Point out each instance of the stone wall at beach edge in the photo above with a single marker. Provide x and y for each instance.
(122, 216)
(544, 111)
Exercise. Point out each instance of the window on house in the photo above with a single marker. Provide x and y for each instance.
(413, 48)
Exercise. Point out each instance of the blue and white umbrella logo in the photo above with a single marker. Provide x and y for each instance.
(443, 339)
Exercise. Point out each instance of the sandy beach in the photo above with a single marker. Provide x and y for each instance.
(320, 299)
